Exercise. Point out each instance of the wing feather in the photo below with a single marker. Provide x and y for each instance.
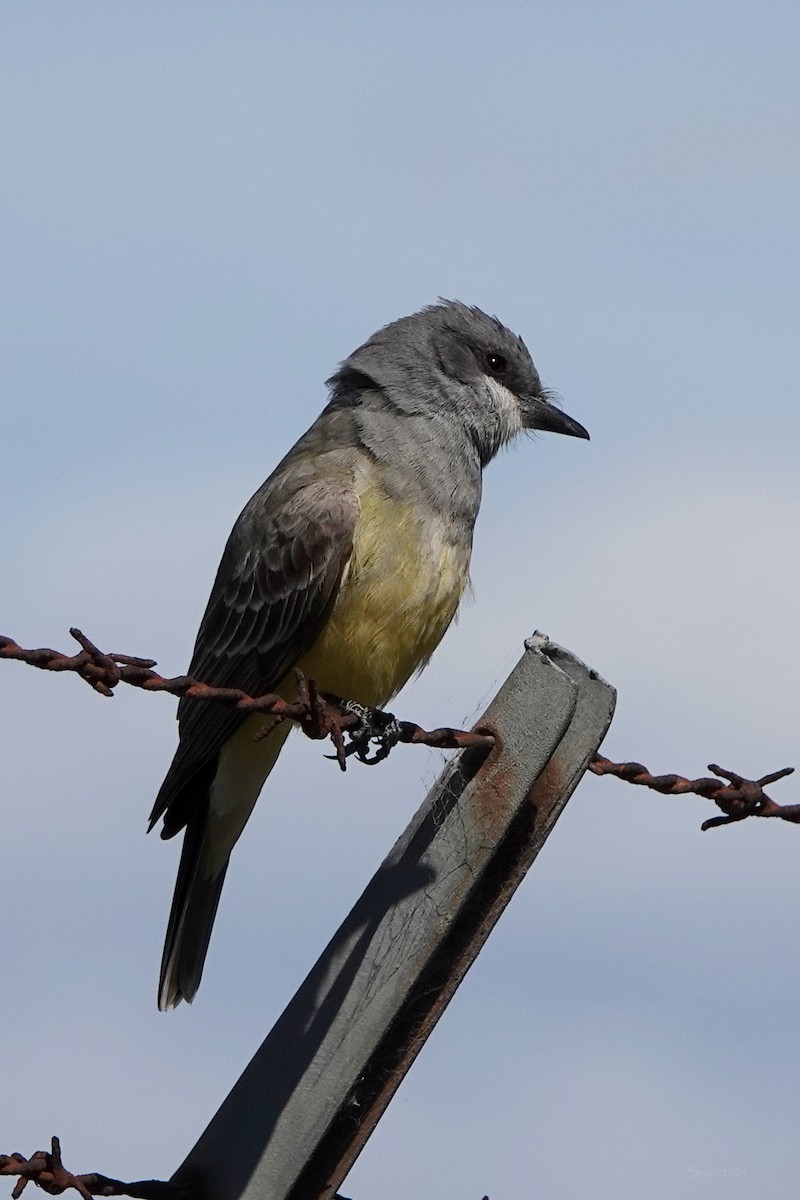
(274, 590)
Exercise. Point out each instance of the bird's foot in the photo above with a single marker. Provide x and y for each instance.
(374, 726)
(322, 716)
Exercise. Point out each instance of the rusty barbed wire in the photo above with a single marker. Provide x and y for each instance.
(318, 716)
(47, 1171)
(322, 717)
(739, 798)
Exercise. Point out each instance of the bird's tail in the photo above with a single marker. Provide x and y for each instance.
(216, 818)
(194, 906)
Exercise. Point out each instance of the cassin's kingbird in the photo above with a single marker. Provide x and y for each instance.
(349, 563)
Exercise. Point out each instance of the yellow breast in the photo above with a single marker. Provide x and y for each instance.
(398, 596)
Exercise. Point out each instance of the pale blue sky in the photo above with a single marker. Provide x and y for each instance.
(205, 207)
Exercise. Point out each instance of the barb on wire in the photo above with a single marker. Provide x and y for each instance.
(47, 1171)
(317, 715)
(738, 798)
(321, 716)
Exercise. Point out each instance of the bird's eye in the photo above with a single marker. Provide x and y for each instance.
(496, 363)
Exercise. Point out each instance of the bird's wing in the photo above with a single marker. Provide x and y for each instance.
(274, 591)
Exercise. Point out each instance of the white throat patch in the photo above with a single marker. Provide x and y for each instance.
(507, 408)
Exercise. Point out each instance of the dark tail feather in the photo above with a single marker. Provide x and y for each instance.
(191, 919)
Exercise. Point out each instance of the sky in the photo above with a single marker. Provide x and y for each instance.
(205, 208)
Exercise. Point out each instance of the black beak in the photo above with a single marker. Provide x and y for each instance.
(541, 414)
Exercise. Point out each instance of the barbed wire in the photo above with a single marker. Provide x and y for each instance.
(317, 715)
(321, 717)
(47, 1171)
(738, 798)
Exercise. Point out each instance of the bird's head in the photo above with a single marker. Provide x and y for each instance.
(450, 358)
(484, 356)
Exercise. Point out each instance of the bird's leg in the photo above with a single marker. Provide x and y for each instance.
(322, 716)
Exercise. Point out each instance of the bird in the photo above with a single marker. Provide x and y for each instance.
(348, 563)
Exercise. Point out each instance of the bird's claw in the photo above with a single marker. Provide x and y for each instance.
(374, 726)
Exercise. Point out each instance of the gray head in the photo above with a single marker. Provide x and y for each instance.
(453, 360)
